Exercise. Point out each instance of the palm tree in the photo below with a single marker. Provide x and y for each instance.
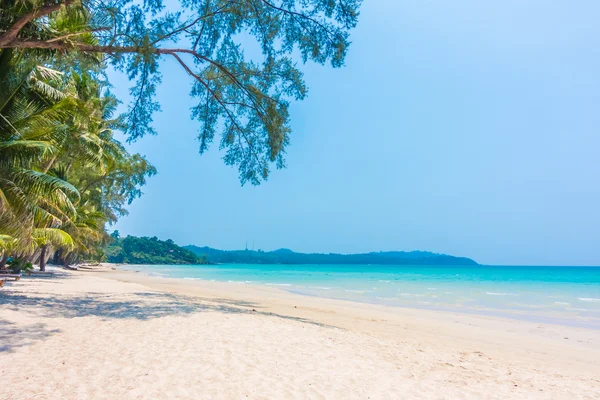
(31, 126)
(56, 125)
(45, 238)
(7, 244)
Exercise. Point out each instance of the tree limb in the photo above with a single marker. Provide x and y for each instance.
(56, 39)
(14, 30)
(184, 27)
(56, 45)
(221, 102)
(297, 14)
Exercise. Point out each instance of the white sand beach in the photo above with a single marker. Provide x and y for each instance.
(121, 335)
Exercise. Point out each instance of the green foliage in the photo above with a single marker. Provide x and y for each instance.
(285, 256)
(14, 265)
(244, 98)
(17, 265)
(52, 236)
(145, 250)
(63, 176)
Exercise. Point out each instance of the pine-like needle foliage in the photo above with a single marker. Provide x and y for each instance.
(243, 98)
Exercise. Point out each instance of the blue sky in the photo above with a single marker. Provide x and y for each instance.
(466, 127)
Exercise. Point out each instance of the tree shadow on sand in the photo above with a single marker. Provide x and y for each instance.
(13, 335)
(139, 305)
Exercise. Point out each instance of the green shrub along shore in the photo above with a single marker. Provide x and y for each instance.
(148, 250)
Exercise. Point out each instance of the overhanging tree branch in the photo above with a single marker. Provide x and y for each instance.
(64, 46)
(234, 93)
(59, 38)
(221, 102)
(14, 30)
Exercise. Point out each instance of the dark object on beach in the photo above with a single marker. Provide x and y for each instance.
(253, 310)
(7, 275)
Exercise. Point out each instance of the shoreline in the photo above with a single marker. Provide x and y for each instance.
(510, 314)
(121, 334)
(321, 308)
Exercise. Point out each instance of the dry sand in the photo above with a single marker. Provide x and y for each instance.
(117, 335)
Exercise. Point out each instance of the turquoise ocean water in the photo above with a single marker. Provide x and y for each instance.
(563, 295)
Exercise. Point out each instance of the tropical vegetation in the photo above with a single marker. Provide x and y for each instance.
(286, 256)
(149, 250)
(63, 174)
(242, 57)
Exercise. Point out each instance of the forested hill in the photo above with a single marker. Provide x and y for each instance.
(285, 256)
(149, 250)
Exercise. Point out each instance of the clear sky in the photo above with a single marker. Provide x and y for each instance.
(464, 127)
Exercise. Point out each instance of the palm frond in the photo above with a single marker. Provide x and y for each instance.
(52, 236)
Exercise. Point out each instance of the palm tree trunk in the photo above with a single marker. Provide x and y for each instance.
(43, 258)
(3, 261)
(49, 164)
(57, 259)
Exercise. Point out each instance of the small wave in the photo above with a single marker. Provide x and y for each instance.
(501, 294)
(431, 288)
(192, 279)
(319, 287)
(279, 284)
(357, 291)
(589, 299)
(447, 292)
(382, 280)
(561, 303)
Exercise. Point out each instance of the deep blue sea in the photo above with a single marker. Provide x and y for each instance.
(563, 295)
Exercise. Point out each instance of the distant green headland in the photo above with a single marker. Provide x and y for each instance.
(286, 256)
(151, 250)
(148, 250)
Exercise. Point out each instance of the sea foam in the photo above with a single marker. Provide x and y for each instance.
(501, 294)
(589, 299)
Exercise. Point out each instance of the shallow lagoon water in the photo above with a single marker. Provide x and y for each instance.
(563, 295)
